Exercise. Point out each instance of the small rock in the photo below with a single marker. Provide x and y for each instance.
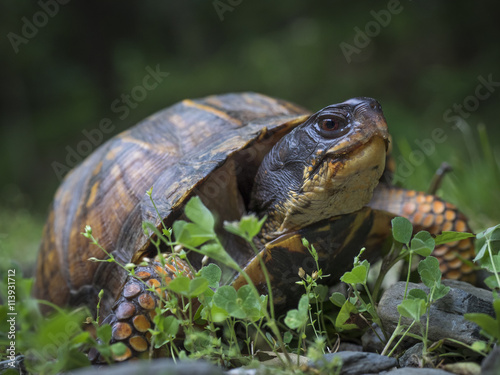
(371, 342)
(465, 368)
(412, 357)
(350, 347)
(155, 366)
(491, 364)
(357, 363)
(417, 371)
(446, 315)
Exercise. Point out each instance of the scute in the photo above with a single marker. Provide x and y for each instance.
(174, 151)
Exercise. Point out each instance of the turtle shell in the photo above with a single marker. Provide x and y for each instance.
(194, 147)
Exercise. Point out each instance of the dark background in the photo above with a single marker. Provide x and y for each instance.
(423, 59)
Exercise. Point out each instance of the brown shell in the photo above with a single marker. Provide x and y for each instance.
(174, 151)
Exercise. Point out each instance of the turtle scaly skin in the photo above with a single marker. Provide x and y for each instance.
(430, 213)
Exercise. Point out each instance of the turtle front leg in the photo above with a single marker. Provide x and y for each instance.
(429, 212)
(133, 312)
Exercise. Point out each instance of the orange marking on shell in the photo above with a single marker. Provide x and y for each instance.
(465, 244)
(143, 275)
(214, 111)
(453, 274)
(428, 221)
(411, 193)
(438, 207)
(450, 215)
(409, 208)
(429, 198)
(152, 314)
(452, 244)
(426, 207)
(131, 290)
(146, 301)
(420, 199)
(153, 282)
(448, 226)
(124, 356)
(439, 219)
(417, 219)
(440, 251)
(93, 194)
(460, 226)
(160, 270)
(465, 268)
(125, 310)
(449, 256)
(121, 331)
(141, 323)
(138, 343)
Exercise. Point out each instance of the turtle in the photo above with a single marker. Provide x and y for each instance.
(318, 176)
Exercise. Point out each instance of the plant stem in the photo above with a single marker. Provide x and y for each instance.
(401, 339)
(495, 272)
(393, 257)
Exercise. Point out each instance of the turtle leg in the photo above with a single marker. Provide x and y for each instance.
(337, 241)
(134, 310)
(429, 212)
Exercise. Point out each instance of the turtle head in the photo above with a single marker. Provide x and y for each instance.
(326, 166)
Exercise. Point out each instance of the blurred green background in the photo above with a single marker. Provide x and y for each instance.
(418, 58)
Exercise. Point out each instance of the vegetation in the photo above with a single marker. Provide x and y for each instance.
(55, 343)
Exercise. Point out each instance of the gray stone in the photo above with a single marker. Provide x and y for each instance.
(417, 371)
(412, 357)
(162, 366)
(371, 342)
(491, 364)
(446, 315)
(357, 363)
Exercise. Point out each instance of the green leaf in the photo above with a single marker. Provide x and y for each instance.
(250, 303)
(248, 226)
(412, 308)
(196, 211)
(491, 282)
(217, 253)
(212, 273)
(104, 333)
(166, 329)
(487, 323)
(417, 294)
(429, 272)
(226, 297)
(197, 286)
(217, 314)
(491, 263)
(481, 254)
(402, 229)
(180, 285)
(287, 337)
(338, 299)
(422, 244)
(191, 234)
(321, 291)
(118, 348)
(358, 275)
(440, 291)
(446, 237)
(297, 318)
(344, 315)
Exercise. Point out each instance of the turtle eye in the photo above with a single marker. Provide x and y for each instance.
(332, 127)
